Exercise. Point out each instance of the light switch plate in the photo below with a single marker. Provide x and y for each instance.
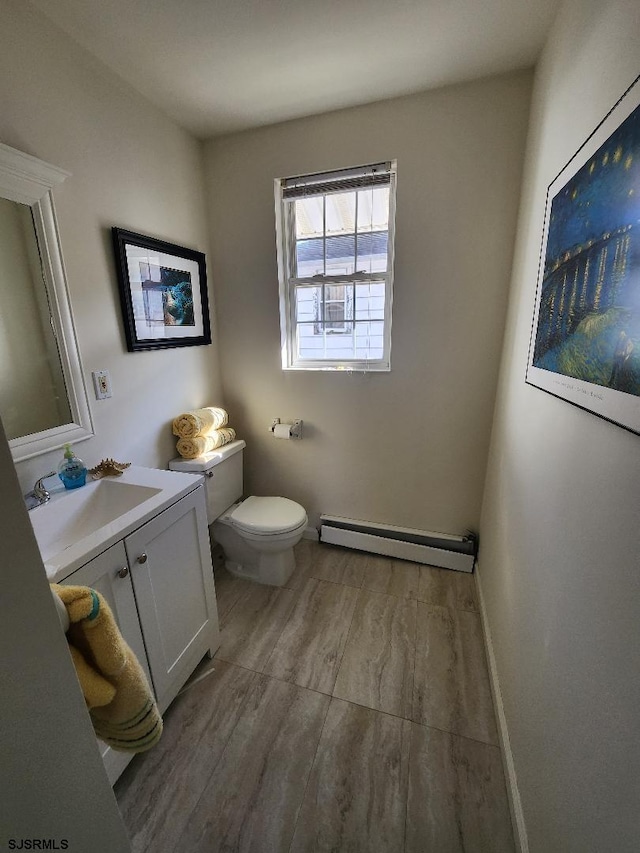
(102, 384)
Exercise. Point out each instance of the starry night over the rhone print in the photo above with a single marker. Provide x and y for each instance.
(589, 318)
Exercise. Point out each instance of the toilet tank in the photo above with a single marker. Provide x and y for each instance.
(222, 470)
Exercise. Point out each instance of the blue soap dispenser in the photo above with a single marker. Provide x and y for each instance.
(72, 471)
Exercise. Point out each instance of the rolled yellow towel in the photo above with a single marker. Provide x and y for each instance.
(199, 422)
(191, 448)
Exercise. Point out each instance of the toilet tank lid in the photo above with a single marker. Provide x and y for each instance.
(208, 460)
(268, 515)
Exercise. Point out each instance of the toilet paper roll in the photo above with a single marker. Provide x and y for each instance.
(282, 430)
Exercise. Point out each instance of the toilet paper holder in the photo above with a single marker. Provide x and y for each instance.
(295, 428)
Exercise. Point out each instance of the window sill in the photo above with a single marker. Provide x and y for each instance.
(338, 368)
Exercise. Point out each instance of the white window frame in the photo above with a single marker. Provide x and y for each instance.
(286, 246)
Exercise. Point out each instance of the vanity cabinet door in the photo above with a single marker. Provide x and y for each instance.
(172, 576)
(109, 574)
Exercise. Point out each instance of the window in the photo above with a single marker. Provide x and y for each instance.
(335, 261)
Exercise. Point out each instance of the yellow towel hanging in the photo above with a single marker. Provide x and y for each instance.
(120, 702)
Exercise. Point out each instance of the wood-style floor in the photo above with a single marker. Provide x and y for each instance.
(349, 711)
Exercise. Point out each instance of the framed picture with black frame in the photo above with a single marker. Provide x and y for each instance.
(163, 292)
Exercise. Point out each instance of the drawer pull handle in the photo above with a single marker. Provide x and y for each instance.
(124, 571)
(142, 559)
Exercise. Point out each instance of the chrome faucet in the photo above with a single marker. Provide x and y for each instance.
(38, 495)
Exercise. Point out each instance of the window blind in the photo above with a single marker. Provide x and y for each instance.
(376, 175)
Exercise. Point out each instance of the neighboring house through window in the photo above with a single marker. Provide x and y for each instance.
(335, 260)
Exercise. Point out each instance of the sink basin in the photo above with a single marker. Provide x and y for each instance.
(75, 515)
(77, 525)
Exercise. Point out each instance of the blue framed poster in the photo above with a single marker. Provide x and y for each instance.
(585, 339)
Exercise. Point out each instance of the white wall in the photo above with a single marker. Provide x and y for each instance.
(560, 550)
(133, 168)
(407, 447)
(53, 785)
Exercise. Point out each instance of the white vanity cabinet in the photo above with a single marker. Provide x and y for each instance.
(159, 583)
(170, 560)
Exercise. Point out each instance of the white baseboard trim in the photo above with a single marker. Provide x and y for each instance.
(513, 793)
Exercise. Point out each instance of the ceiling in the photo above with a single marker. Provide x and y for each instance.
(218, 66)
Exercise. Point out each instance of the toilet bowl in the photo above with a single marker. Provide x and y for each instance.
(257, 534)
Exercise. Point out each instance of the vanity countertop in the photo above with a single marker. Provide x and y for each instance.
(76, 525)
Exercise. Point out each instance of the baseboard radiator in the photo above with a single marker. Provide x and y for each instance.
(402, 543)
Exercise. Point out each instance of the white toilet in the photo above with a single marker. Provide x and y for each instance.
(257, 534)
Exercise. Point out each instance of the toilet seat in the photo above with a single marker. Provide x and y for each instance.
(267, 516)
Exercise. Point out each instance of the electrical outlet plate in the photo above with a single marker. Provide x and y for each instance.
(101, 384)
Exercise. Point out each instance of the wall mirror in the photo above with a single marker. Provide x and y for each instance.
(43, 398)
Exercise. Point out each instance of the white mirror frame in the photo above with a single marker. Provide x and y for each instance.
(27, 180)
